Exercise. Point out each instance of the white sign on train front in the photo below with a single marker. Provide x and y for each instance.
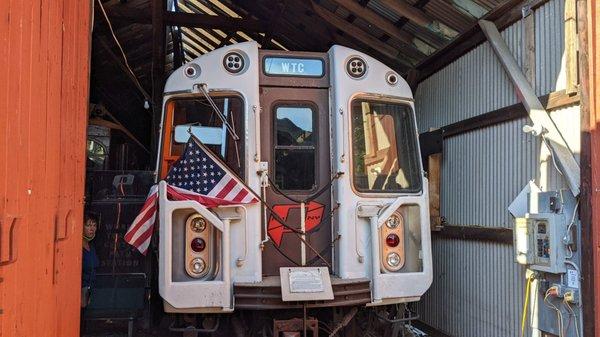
(290, 66)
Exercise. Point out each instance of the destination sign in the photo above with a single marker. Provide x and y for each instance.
(290, 66)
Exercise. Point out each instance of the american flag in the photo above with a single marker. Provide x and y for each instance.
(197, 175)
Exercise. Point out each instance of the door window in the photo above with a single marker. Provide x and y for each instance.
(295, 147)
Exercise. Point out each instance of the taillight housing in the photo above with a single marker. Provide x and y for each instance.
(392, 243)
(198, 232)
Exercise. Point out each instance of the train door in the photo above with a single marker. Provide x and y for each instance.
(295, 142)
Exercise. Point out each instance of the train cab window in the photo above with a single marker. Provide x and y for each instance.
(197, 115)
(295, 147)
(384, 147)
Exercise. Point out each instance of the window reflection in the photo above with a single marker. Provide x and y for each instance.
(294, 148)
(384, 147)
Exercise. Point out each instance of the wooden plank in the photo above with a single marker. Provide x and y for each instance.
(124, 15)
(552, 101)
(434, 175)
(570, 46)
(588, 28)
(477, 233)
(503, 16)
(529, 47)
(356, 32)
(376, 20)
(159, 41)
(564, 158)
(419, 17)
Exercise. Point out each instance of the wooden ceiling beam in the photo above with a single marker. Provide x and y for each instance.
(419, 47)
(128, 15)
(356, 33)
(419, 17)
(286, 29)
(376, 20)
(504, 15)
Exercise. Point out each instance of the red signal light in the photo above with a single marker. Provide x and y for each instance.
(392, 240)
(198, 245)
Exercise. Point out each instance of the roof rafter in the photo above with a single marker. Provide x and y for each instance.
(419, 17)
(357, 33)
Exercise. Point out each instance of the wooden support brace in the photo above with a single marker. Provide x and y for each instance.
(556, 143)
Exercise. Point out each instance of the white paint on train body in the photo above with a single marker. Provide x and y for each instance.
(358, 215)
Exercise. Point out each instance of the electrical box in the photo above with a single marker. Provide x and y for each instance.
(538, 242)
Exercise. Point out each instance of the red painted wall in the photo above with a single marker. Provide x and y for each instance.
(44, 88)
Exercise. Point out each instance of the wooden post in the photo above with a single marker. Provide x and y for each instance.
(589, 208)
(529, 45)
(571, 46)
(159, 40)
(434, 175)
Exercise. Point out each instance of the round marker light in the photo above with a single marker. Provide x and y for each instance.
(198, 265)
(393, 221)
(198, 245)
(393, 260)
(392, 240)
(198, 224)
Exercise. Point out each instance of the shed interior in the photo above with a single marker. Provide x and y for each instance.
(469, 114)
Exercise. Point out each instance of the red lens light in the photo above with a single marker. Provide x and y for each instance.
(198, 245)
(392, 240)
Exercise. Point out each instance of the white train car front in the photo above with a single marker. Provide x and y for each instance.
(380, 221)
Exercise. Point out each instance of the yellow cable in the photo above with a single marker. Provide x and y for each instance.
(524, 318)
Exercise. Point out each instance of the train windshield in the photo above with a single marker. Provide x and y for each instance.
(196, 115)
(384, 147)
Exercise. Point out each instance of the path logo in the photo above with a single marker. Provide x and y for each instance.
(314, 215)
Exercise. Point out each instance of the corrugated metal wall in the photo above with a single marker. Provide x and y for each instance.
(477, 288)
(44, 76)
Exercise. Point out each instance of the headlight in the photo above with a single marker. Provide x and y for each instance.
(393, 259)
(393, 221)
(198, 223)
(197, 265)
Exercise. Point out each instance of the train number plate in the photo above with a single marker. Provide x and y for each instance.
(305, 284)
(306, 281)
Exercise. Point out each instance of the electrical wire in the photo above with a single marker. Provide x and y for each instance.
(576, 323)
(137, 82)
(553, 291)
(526, 304)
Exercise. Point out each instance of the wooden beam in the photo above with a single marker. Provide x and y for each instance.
(122, 14)
(419, 17)
(588, 33)
(159, 41)
(503, 16)
(563, 156)
(477, 233)
(570, 46)
(212, 21)
(376, 20)
(434, 175)
(552, 101)
(355, 32)
(101, 41)
(529, 47)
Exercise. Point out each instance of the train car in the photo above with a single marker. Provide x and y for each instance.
(329, 142)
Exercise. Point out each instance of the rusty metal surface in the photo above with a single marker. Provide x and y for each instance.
(43, 113)
(267, 295)
(295, 327)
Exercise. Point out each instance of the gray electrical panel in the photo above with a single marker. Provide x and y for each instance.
(538, 242)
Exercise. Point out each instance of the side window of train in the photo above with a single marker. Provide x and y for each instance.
(295, 147)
